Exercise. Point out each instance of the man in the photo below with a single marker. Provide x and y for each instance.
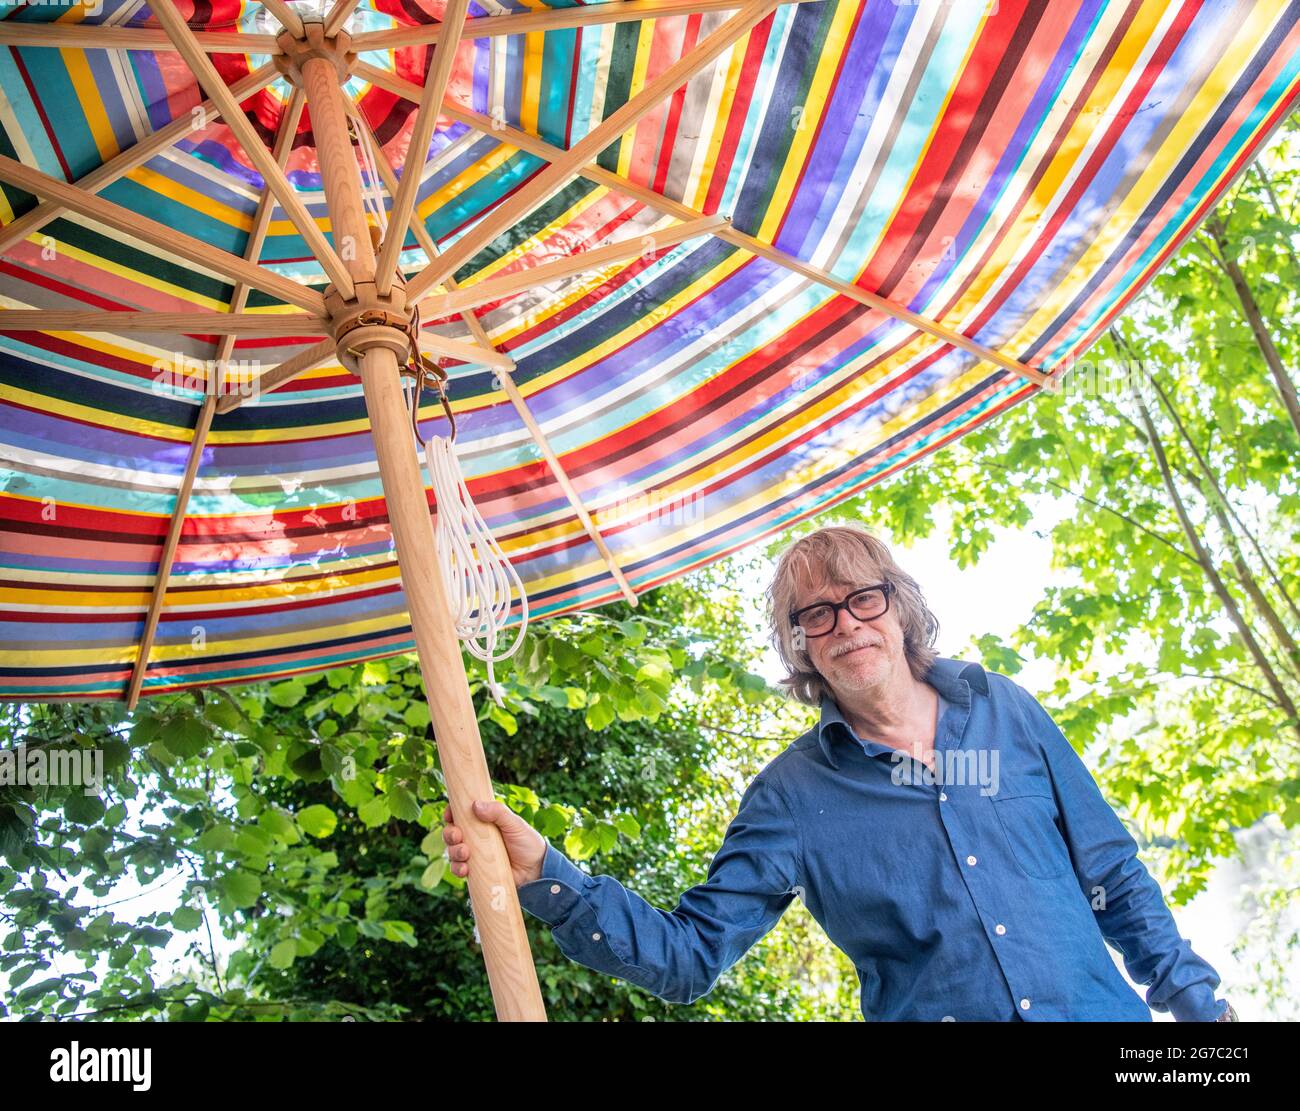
(936, 823)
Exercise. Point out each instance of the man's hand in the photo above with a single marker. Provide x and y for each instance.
(525, 847)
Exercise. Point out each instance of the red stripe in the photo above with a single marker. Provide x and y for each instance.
(945, 141)
(1065, 207)
(40, 111)
(755, 45)
(674, 116)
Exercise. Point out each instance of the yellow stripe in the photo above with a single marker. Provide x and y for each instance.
(191, 198)
(531, 71)
(90, 104)
(645, 41)
(810, 112)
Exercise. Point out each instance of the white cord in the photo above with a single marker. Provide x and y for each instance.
(478, 575)
(372, 198)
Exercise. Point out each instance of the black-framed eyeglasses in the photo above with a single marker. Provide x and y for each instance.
(864, 603)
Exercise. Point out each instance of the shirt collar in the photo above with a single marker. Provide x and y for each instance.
(954, 679)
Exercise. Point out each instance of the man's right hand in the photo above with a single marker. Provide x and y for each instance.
(525, 847)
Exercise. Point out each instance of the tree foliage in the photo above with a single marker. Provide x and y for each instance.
(295, 827)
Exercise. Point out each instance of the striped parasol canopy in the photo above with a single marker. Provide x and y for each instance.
(696, 270)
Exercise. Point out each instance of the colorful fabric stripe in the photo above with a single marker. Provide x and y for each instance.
(1016, 171)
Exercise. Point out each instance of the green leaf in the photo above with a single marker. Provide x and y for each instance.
(600, 713)
(186, 918)
(83, 809)
(279, 825)
(242, 888)
(402, 804)
(218, 839)
(404, 932)
(288, 693)
(628, 825)
(432, 875)
(317, 820)
(416, 715)
(186, 737)
(283, 953)
(375, 812)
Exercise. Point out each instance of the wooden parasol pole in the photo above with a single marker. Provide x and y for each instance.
(321, 64)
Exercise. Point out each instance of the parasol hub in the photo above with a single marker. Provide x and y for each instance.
(314, 45)
(370, 320)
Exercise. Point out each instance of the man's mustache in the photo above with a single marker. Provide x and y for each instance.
(852, 645)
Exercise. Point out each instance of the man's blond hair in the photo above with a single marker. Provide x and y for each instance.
(850, 555)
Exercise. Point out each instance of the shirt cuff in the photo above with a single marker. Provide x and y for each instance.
(555, 895)
(1196, 1003)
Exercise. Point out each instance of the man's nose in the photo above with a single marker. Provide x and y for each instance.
(851, 623)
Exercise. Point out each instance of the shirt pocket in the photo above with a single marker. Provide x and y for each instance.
(1026, 810)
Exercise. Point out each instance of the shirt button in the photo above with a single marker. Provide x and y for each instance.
(943, 796)
(949, 1018)
(596, 937)
(555, 889)
(971, 861)
(1024, 1004)
(999, 929)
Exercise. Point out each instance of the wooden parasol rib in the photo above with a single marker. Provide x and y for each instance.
(435, 86)
(289, 19)
(168, 553)
(232, 115)
(135, 155)
(182, 323)
(596, 173)
(252, 252)
(231, 267)
(262, 217)
(339, 16)
(568, 165)
(304, 360)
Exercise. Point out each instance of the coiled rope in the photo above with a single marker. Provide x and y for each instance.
(480, 580)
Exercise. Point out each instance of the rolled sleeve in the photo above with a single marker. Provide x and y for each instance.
(1135, 917)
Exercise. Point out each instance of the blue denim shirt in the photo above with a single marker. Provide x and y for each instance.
(954, 901)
